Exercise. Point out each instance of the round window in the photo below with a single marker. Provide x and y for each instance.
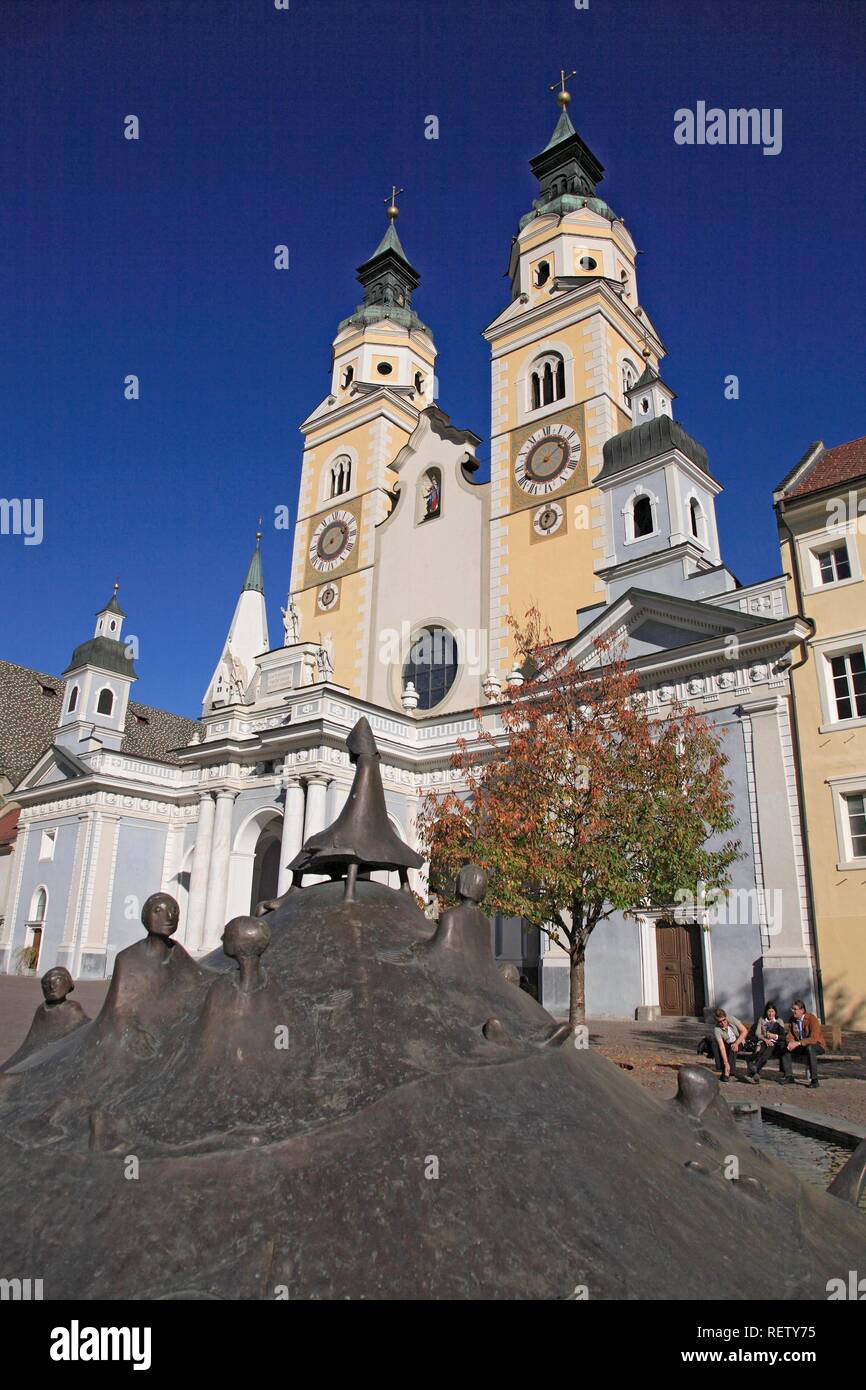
(588, 263)
(432, 665)
(384, 369)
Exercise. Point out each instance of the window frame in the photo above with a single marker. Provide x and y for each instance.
(812, 545)
(824, 651)
(105, 713)
(841, 789)
(628, 515)
(432, 626)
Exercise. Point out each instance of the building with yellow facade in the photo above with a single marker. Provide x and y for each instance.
(821, 513)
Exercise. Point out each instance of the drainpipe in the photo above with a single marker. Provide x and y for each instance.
(798, 773)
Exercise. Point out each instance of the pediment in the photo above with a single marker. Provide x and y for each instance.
(649, 624)
(56, 765)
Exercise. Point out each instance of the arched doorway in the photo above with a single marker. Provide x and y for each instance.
(266, 867)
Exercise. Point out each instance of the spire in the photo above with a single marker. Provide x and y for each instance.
(388, 279)
(232, 681)
(564, 128)
(567, 170)
(112, 605)
(254, 579)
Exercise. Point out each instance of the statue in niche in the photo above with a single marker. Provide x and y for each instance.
(432, 497)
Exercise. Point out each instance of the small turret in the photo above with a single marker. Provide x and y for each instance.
(98, 681)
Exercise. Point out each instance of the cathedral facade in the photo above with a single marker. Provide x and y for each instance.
(599, 511)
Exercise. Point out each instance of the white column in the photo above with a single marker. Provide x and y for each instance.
(218, 878)
(316, 817)
(200, 870)
(649, 1007)
(293, 829)
(707, 959)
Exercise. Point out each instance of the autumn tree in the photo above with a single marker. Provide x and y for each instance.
(580, 804)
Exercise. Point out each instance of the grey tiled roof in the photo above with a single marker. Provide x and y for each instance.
(29, 710)
(646, 441)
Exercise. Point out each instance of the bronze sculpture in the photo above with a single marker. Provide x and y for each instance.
(392, 1118)
(55, 1017)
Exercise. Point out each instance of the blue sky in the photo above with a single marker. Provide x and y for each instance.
(261, 127)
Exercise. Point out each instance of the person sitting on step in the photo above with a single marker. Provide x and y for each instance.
(726, 1040)
(806, 1040)
(770, 1037)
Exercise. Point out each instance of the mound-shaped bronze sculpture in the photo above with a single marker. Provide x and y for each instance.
(360, 1108)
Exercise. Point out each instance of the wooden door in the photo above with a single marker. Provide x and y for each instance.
(681, 975)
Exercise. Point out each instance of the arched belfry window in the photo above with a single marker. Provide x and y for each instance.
(348, 377)
(73, 699)
(642, 517)
(340, 476)
(696, 518)
(546, 381)
(105, 703)
(628, 377)
(542, 273)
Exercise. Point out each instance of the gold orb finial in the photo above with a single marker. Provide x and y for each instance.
(259, 531)
(563, 96)
(392, 209)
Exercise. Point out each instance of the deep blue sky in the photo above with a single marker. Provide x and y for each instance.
(261, 127)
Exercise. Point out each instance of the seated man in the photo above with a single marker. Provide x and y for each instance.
(770, 1037)
(726, 1040)
(806, 1040)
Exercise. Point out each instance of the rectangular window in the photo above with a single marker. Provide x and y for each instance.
(834, 564)
(857, 824)
(46, 844)
(849, 684)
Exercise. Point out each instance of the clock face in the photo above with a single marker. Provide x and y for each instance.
(548, 519)
(332, 540)
(547, 459)
(327, 597)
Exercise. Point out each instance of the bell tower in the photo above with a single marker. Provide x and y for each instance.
(565, 354)
(382, 377)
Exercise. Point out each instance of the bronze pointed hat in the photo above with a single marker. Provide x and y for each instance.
(362, 834)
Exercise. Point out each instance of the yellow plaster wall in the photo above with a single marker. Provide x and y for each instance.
(839, 896)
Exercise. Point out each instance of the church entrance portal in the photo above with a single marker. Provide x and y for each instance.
(266, 867)
(681, 973)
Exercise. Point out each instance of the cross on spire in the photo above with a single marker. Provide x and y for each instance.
(393, 210)
(563, 96)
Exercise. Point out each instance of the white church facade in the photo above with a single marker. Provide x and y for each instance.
(600, 511)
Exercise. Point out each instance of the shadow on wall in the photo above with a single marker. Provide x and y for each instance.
(843, 1006)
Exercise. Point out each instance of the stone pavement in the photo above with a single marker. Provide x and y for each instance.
(656, 1050)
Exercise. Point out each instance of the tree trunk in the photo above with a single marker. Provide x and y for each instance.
(576, 986)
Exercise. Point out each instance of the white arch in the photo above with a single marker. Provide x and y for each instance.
(32, 919)
(701, 536)
(325, 494)
(625, 360)
(641, 490)
(247, 834)
(524, 395)
(106, 714)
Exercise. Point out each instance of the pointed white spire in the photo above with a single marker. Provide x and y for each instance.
(247, 638)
